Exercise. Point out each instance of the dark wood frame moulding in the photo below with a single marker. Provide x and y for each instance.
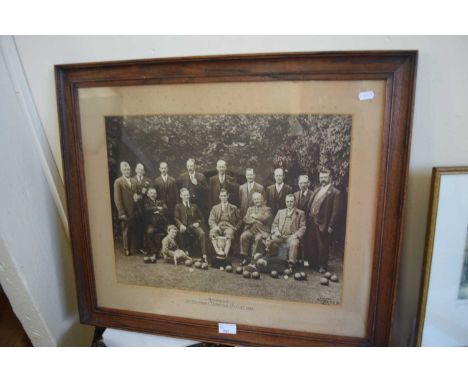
(397, 68)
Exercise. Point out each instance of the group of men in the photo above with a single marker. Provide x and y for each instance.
(301, 221)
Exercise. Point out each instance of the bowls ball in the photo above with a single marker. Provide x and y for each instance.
(239, 270)
(188, 262)
(287, 272)
(204, 266)
(334, 278)
(286, 277)
(255, 275)
(297, 276)
(274, 274)
(327, 275)
(228, 268)
(246, 274)
(197, 264)
(323, 281)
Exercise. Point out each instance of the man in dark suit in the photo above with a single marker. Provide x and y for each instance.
(189, 220)
(225, 220)
(247, 190)
(156, 221)
(219, 181)
(276, 193)
(323, 216)
(125, 199)
(197, 185)
(166, 188)
(142, 185)
(304, 202)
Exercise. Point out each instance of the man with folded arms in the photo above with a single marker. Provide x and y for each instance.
(189, 221)
(224, 220)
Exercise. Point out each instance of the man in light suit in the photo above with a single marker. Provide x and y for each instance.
(288, 228)
(197, 185)
(225, 220)
(142, 185)
(166, 188)
(247, 190)
(276, 193)
(189, 220)
(125, 199)
(219, 181)
(323, 216)
(257, 222)
(304, 203)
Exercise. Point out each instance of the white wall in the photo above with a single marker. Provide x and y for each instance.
(440, 135)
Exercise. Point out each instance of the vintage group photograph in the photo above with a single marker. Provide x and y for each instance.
(240, 204)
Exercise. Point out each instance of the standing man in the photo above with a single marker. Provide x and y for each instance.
(166, 188)
(125, 199)
(324, 212)
(304, 202)
(276, 193)
(142, 185)
(197, 185)
(219, 181)
(189, 221)
(225, 220)
(247, 190)
(288, 228)
(257, 227)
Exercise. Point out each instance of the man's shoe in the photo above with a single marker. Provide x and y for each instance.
(245, 261)
(322, 270)
(127, 253)
(142, 251)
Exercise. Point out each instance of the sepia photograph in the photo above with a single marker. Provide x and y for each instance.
(247, 205)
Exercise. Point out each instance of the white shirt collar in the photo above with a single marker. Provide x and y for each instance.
(279, 186)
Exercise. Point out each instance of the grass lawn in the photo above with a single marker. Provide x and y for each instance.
(132, 270)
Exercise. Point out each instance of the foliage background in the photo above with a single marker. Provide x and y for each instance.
(300, 144)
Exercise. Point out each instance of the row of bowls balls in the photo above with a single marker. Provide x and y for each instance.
(197, 264)
(287, 273)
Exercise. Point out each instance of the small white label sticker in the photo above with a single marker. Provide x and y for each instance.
(227, 328)
(364, 96)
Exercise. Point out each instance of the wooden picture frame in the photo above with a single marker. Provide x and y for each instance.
(443, 303)
(395, 71)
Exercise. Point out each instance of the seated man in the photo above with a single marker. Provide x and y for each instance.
(257, 226)
(288, 228)
(170, 250)
(224, 221)
(188, 219)
(156, 215)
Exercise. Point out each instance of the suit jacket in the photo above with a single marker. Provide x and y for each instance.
(198, 192)
(232, 211)
(329, 209)
(262, 223)
(182, 215)
(304, 203)
(152, 218)
(277, 201)
(144, 183)
(123, 197)
(298, 222)
(215, 186)
(167, 191)
(245, 197)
